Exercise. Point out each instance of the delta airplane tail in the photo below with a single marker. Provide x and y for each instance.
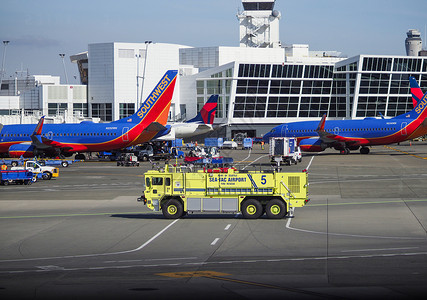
(416, 92)
(207, 113)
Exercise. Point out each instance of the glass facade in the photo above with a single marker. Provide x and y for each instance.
(104, 111)
(256, 96)
(80, 109)
(126, 110)
(54, 109)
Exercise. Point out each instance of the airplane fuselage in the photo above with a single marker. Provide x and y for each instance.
(366, 132)
(85, 137)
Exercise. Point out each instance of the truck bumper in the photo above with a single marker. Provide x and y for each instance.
(142, 199)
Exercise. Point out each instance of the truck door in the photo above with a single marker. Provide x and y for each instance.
(160, 186)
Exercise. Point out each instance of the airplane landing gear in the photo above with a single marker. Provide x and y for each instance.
(364, 150)
(345, 151)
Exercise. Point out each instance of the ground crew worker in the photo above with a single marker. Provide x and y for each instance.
(262, 145)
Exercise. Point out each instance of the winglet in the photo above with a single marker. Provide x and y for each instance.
(321, 126)
(39, 127)
(416, 92)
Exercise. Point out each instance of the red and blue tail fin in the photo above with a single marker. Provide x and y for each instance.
(416, 92)
(207, 113)
(39, 127)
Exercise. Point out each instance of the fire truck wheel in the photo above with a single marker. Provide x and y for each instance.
(172, 209)
(275, 209)
(251, 209)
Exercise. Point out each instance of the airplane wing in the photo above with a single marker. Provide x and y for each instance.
(330, 138)
(63, 146)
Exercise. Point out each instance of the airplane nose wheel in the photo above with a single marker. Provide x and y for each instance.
(364, 150)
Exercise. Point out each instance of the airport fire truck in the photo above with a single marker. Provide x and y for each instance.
(224, 190)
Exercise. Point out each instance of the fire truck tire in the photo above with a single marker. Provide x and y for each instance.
(251, 209)
(275, 209)
(172, 209)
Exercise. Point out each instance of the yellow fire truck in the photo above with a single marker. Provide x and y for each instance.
(224, 190)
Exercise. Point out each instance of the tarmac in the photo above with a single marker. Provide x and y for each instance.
(83, 234)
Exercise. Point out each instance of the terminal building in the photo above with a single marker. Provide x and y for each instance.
(261, 83)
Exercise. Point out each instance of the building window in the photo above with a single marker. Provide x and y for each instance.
(407, 64)
(55, 109)
(254, 70)
(104, 111)
(80, 109)
(126, 110)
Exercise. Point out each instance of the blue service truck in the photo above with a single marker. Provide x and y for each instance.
(214, 142)
(16, 176)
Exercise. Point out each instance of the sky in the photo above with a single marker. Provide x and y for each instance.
(39, 31)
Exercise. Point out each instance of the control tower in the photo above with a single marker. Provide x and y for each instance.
(259, 24)
(413, 42)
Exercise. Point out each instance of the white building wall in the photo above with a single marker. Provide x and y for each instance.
(114, 67)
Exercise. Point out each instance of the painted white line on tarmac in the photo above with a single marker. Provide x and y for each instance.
(384, 249)
(214, 241)
(227, 227)
(98, 254)
(223, 262)
(350, 235)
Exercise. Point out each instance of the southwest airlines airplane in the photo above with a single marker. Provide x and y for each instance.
(346, 135)
(202, 123)
(66, 139)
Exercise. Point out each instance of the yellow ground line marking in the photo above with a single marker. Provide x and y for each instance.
(404, 152)
(218, 276)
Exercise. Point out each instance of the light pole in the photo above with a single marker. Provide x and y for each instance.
(4, 58)
(62, 55)
(138, 56)
(145, 67)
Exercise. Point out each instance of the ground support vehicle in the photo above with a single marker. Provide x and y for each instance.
(229, 145)
(248, 143)
(215, 161)
(226, 190)
(151, 152)
(56, 162)
(14, 162)
(128, 160)
(284, 150)
(214, 142)
(46, 172)
(17, 177)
